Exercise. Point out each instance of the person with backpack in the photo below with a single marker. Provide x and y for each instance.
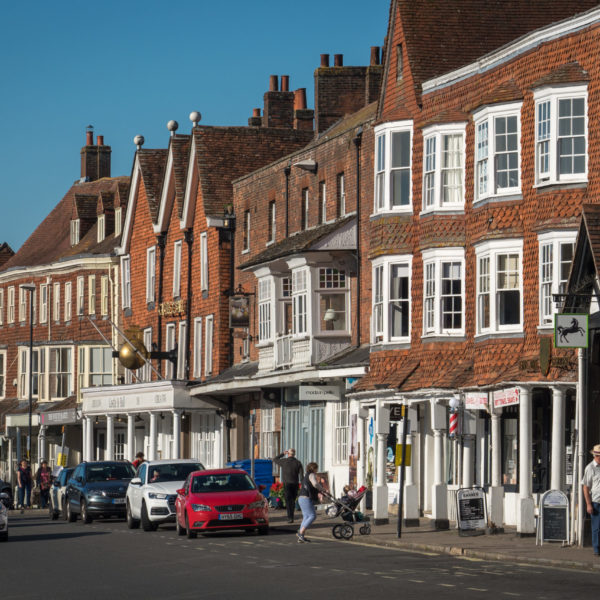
(43, 479)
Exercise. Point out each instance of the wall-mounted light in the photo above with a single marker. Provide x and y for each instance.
(330, 315)
(307, 165)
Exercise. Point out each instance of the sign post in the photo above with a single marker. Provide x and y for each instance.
(553, 524)
(402, 471)
(471, 511)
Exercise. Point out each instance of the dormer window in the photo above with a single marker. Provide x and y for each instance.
(101, 228)
(75, 232)
(118, 221)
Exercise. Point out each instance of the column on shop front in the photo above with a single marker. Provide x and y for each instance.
(153, 436)
(84, 424)
(525, 507)
(469, 431)
(411, 492)
(496, 492)
(439, 492)
(130, 437)
(558, 439)
(89, 443)
(42, 453)
(110, 437)
(176, 434)
(361, 467)
(380, 492)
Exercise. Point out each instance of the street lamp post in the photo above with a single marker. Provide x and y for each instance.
(30, 287)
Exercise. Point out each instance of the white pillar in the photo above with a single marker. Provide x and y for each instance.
(380, 492)
(467, 471)
(131, 437)
(90, 439)
(361, 467)
(496, 492)
(558, 439)
(152, 440)
(176, 434)
(439, 491)
(84, 448)
(525, 508)
(110, 437)
(411, 494)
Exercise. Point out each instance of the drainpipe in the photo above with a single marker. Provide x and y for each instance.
(189, 239)
(232, 285)
(286, 171)
(357, 143)
(161, 240)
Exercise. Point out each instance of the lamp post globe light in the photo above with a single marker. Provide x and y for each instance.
(30, 287)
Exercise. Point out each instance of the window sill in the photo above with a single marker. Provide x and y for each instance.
(391, 213)
(482, 337)
(432, 338)
(516, 197)
(331, 334)
(246, 251)
(545, 329)
(260, 345)
(438, 210)
(270, 243)
(548, 186)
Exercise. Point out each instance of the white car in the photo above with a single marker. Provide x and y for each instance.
(57, 505)
(4, 504)
(151, 494)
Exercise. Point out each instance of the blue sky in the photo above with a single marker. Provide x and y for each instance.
(128, 67)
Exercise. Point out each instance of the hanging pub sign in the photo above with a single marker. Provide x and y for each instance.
(506, 397)
(571, 330)
(471, 511)
(239, 311)
(476, 401)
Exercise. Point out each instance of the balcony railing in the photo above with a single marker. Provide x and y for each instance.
(283, 351)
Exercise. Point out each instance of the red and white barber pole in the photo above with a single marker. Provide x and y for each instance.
(453, 424)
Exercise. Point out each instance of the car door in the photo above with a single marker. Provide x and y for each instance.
(137, 491)
(73, 488)
(181, 501)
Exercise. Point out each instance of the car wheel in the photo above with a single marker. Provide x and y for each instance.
(71, 516)
(131, 522)
(180, 529)
(263, 530)
(4, 536)
(85, 515)
(147, 524)
(190, 534)
(53, 514)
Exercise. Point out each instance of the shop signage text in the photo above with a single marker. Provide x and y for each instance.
(319, 393)
(476, 401)
(506, 397)
(61, 417)
(139, 401)
(170, 309)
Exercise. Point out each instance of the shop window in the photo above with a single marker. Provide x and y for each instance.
(341, 432)
(510, 449)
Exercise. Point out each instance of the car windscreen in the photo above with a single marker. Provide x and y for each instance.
(64, 476)
(226, 482)
(172, 472)
(108, 472)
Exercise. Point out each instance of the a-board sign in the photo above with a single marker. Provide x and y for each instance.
(555, 516)
(471, 511)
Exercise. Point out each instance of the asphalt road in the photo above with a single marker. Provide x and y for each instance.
(54, 559)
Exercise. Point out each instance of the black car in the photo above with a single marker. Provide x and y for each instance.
(6, 489)
(98, 489)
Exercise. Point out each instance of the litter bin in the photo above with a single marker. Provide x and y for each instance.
(263, 471)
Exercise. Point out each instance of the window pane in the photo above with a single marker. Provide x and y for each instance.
(332, 309)
(509, 303)
(400, 192)
(400, 149)
(399, 306)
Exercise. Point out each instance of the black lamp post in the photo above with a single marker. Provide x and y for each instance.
(30, 287)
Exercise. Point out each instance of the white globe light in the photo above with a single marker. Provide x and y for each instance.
(454, 403)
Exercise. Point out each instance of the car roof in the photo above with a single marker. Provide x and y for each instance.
(219, 472)
(172, 461)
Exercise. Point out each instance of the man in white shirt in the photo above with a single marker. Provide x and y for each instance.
(591, 493)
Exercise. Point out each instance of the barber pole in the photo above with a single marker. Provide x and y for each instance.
(453, 424)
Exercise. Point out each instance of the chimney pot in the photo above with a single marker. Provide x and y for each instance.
(273, 83)
(338, 60)
(300, 99)
(89, 138)
(100, 140)
(256, 112)
(374, 55)
(285, 83)
(324, 60)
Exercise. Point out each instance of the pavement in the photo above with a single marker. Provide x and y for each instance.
(505, 547)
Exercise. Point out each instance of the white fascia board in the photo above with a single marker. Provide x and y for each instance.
(131, 202)
(162, 225)
(510, 51)
(70, 266)
(189, 202)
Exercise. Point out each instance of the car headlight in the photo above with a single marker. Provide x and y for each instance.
(201, 508)
(257, 504)
(156, 496)
(96, 493)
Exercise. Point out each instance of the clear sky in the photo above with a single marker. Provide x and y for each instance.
(127, 67)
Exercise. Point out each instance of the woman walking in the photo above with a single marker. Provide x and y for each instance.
(43, 479)
(24, 485)
(307, 498)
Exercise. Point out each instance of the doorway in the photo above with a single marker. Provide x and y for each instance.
(540, 438)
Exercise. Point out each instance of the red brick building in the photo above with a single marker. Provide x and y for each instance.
(70, 268)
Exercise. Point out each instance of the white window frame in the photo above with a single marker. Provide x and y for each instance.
(384, 266)
(169, 345)
(341, 437)
(75, 227)
(104, 295)
(268, 435)
(208, 345)
(101, 228)
(433, 261)
(118, 221)
(151, 274)
(68, 301)
(488, 149)
(177, 268)
(43, 303)
(105, 375)
(3, 356)
(204, 261)
(56, 302)
(198, 347)
(23, 304)
(266, 312)
(304, 208)
(547, 139)
(80, 295)
(434, 166)
(10, 317)
(301, 313)
(339, 286)
(549, 272)
(383, 170)
(92, 294)
(491, 250)
(126, 281)
(341, 192)
(68, 374)
(2, 306)
(181, 347)
(246, 233)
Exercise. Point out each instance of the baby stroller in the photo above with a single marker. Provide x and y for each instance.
(346, 507)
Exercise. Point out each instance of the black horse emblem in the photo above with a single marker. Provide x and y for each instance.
(574, 327)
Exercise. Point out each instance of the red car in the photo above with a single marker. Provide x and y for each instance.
(218, 499)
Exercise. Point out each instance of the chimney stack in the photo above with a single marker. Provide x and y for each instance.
(324, 60)
(255, 120)
(374, 76)
(95, 160)
(374, 56)
(285, 83)
(100, 140)
(278, 108)
(338, 60)
(303, 117)
(89, 137)
(273, 83)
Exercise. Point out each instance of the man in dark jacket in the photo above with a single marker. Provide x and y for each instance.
(291, 474)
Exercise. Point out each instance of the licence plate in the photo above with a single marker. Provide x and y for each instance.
(118, 500)
(230, 516)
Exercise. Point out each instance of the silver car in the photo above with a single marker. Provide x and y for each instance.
(57, 494)
(5, 500)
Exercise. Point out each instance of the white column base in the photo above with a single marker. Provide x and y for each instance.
(525, 516)
(439, 505)
(380, 505)
(496, 507)
(411, 505)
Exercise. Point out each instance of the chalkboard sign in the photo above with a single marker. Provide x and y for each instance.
(554, 509)
(471, 511)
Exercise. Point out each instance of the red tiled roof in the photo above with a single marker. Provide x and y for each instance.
(569, 73)
(180, 145)
(152, 167)
(507, 91)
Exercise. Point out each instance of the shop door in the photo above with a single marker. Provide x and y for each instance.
(541, 436)
(304, 432)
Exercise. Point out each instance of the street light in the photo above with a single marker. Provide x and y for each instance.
(30, 287)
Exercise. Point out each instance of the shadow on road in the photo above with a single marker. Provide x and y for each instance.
(52, 536)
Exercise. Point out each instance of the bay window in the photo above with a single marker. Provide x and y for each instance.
(265, 304)
(299, 301)
(332, 293)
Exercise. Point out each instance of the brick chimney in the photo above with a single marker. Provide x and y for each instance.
(95, 159)
(278, 104)
(255, 120)
(303, 117)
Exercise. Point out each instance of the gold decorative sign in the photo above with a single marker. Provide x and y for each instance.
(545, 353)
(170, 309)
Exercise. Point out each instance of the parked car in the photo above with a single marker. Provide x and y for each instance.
(151, 494)
(6, 489)
(98, 489)
(219, 499)
(5, 501)
(57, 504)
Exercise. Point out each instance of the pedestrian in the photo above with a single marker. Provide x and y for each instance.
(43, 479)
(291, 475)
(24, 485)
(308, 497)
(139, 459)
(591, 493)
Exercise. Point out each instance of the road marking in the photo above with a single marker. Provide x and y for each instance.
(315, 567)
(470, 558)
(387, 577)
(233, 554)
(510, 594)
(446, 585)
(477, 589)
(416, 581)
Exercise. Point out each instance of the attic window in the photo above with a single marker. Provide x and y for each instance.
(101, 228)
(399, 62)
(74, 232)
